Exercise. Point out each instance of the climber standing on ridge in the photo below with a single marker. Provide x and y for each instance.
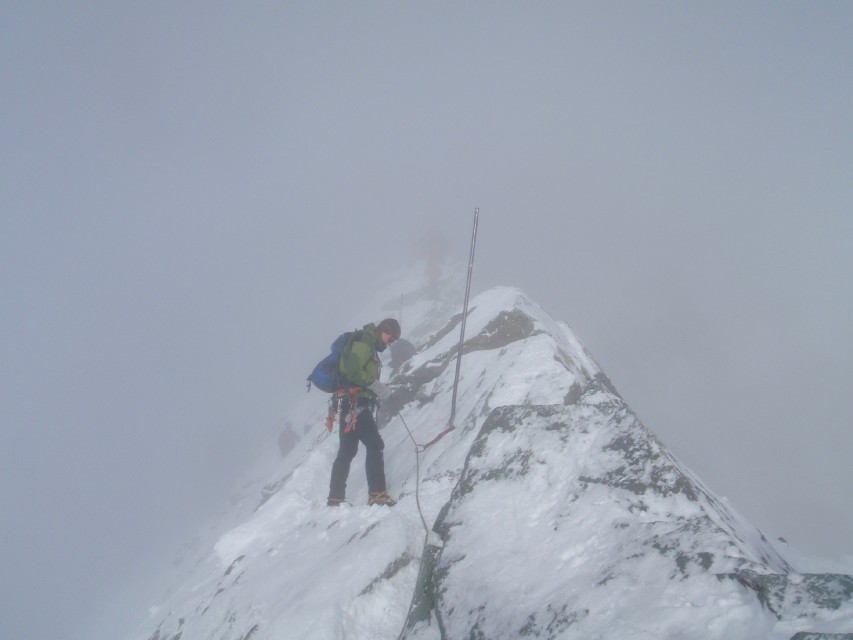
(356, 402)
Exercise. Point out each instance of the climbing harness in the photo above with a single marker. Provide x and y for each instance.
(336, 409)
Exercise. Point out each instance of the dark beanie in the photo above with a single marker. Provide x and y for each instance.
(391, 327)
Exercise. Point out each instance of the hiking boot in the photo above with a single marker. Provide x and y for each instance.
(380, 497)
(335, 502)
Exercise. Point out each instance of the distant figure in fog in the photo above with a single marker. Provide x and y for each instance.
(434, 248)
(287, 439)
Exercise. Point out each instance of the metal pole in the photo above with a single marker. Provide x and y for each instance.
(464, 318)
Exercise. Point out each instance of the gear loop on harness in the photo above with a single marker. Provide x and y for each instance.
(351, 417)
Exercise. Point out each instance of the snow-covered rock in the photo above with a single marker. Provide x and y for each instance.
(548, 510)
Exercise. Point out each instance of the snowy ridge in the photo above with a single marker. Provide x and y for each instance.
(552, 513)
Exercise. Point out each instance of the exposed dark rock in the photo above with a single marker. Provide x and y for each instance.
(792, 595)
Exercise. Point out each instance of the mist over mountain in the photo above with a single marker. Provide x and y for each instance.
(549, 510)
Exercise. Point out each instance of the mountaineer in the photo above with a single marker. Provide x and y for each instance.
(355, 403)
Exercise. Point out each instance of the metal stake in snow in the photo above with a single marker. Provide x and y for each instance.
(451, 426)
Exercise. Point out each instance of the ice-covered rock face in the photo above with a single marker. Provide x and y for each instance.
(565, 517)
(549, 511)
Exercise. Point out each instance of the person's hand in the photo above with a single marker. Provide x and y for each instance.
(382, 391)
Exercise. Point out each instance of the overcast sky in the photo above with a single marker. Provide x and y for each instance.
(194, 195)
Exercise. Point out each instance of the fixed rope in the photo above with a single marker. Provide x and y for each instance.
(418, 451)
(417, 473)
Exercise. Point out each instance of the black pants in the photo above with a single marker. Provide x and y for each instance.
(367, 432)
